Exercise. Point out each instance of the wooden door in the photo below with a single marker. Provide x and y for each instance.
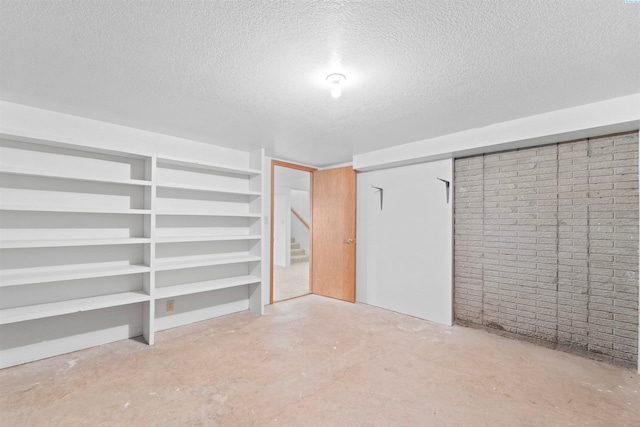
(333, 259)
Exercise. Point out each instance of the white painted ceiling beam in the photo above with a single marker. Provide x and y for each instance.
(596, 119)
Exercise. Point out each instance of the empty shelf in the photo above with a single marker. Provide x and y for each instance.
(202, 261)
(178, 239)
(208, 213)
(26, 172)
(207, 166)
(204, 286)
(18, 244)
(208, 189)
(39, 311)
(24, 276)
(72, 209)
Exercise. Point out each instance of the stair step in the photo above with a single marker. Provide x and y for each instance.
(299, 258)
(295, 246)
(296, 252)
(293, 239)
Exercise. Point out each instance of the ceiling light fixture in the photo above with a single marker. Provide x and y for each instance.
(336, 79)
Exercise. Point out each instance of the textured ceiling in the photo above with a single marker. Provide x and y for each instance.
(249, 74)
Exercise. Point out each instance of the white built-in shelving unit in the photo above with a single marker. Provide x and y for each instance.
(98, 245)
(208, 233)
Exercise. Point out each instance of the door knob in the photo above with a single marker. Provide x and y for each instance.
(349, 241)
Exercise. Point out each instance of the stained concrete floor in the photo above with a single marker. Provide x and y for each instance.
(314, 361)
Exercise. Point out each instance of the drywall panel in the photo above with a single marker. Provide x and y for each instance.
(404, 240)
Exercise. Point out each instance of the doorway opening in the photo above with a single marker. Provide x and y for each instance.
(291, 237)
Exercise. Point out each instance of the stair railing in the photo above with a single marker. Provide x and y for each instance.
(293, 211)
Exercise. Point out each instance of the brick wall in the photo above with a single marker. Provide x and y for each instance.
(546, 245)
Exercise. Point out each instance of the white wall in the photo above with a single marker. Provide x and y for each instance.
(404, 251)
(282, 227)
(301, 202)
(584, 121)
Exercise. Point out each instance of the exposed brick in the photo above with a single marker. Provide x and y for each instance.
(547, 244)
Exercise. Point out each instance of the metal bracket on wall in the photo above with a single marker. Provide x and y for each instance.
(381, 193)
(447, 184)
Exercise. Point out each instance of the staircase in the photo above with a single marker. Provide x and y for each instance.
(297, 253)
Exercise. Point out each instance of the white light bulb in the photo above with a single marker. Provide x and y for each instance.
(335, 80)
(335, 90)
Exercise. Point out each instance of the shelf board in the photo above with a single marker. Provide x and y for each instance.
(25, 276)
(73, 210)
(179, 239)
(207, 285)
(26, 172)
(204, 213)
(39, 311)
(207, 166)
(208, 189)
(19, 244)
(40, 138)
(202, 261)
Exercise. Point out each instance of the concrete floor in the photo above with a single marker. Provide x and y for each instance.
(314, 361)
(290, 282)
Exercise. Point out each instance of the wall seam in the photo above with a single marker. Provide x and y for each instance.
(557, 238)
(483, 237)
(589, 147)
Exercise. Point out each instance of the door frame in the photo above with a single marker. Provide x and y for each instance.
(311, 170)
